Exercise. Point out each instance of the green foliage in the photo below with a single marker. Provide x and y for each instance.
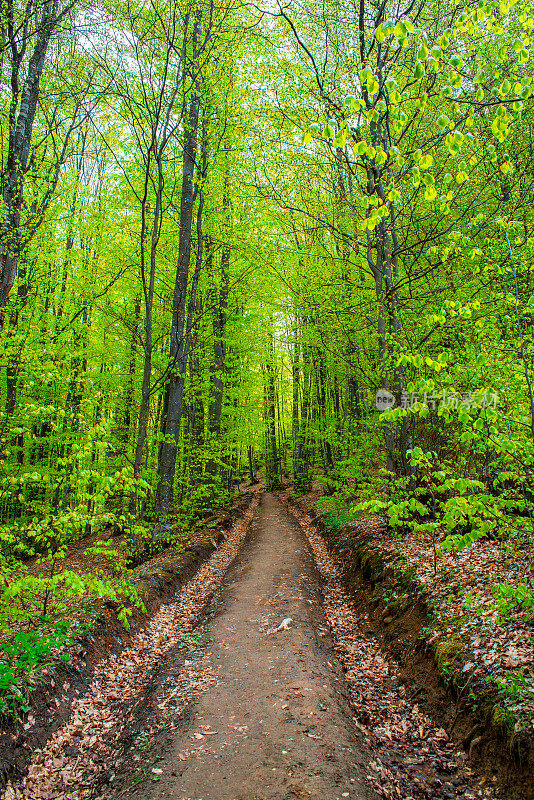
(335, 511)
(515, 686)
(446, 654)
(513, 597)
(26, 654)
(31, 600)
(503, 719)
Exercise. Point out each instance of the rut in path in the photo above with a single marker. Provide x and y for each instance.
(276, 724)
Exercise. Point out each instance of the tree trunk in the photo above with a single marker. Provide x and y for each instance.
(181, 324)
(21, 118)
(251, 464)
(295, 368)
(272, 455)
(303, 484)
(148, 291)
(219, 346)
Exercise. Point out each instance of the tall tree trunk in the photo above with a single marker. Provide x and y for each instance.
(304, 450)
(24, 100)
(382, 237)
(69, 244)
(13, 364)
(272, 454)
(180, 329)
(326, 449)
(295, 367)
(220, 314)
(127, 405)
(148, 292)
(219, 346)
(251, 464)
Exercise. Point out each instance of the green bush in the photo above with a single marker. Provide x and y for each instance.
(28, 653)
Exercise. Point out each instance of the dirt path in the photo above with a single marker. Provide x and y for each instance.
(276, 723)
(250, 702)
(81, 757)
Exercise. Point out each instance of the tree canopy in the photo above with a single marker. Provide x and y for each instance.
(227, 230)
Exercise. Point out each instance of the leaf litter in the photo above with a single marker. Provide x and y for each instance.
(498, 648)
(69, 765)
(413, 758)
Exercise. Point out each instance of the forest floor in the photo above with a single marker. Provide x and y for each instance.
(281, 690)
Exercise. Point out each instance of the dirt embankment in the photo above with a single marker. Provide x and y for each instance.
(401, 619)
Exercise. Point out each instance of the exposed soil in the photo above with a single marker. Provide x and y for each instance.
(401, 627)
(276, 722)
(281, 691)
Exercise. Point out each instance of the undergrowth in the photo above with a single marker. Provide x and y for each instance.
(26, 655)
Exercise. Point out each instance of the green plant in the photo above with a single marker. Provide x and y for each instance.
(335, 510)
(193, 639)
(26, 654)
(503, 719)
(515, 686)
(510, 597)
(446, 654)
(31, 600)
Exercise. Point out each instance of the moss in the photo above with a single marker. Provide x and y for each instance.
(207, 544)
(371, 562)
(447, 652)
(457, 622)
(485, 699)
(503, 720)
(483, 703)
(406, 578)
(396, 607)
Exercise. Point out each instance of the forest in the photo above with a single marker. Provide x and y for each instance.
(284, 245)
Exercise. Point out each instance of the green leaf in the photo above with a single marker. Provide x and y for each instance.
(372, 86)
(341, 138)
(422, 53)
(505, 87)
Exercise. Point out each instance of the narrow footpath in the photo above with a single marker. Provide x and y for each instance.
(275, 723)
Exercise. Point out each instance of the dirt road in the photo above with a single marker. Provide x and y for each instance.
(276, 722)
(250, 701)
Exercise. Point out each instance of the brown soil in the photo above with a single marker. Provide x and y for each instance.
(400, 629)
(253, 698)
(159, 579)
(275, 721)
